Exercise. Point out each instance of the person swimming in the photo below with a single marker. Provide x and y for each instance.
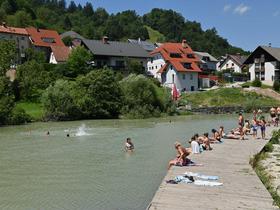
(129, 146)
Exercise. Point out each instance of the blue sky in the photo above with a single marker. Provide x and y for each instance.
(246, 23)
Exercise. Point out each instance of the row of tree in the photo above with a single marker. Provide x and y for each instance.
(94, 23)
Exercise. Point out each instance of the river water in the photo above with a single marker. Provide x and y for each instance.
(90, 170)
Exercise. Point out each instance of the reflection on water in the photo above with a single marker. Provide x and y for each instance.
(91, 171)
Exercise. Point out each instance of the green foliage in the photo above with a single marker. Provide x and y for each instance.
(142, 98)
(257, 83)
(19, 116)
(95, 95)
(67, 41)
(135, 66)
(79, 62)
(20, 19)
(59, 101)
(7, 55)
(276, 85)
(33, 78)
(99, 94)
(6, 100)
(34, 110)
(155, 36)
(261, 171)
(229, 97)
(9, 6)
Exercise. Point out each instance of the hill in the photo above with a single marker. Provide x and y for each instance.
(157, 25)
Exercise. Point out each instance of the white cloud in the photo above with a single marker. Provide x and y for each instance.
(241, 9)
(276, 14)
(227, 7)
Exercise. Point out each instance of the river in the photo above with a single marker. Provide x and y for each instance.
(90, 170)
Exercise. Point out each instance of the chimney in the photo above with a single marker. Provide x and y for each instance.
(184, 43)
(105, 39)
(4, 24)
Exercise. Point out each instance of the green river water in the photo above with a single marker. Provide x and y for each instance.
(90, 170)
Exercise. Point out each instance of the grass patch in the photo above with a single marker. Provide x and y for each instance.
(228, 97)
(35, 110)
(249, 84)
(264, 176)
(155, 36)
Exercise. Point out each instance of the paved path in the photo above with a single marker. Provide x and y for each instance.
(242, 188)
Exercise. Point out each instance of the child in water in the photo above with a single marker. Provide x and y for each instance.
(129, 146)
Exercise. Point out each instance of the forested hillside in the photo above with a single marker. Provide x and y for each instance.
(94, 23)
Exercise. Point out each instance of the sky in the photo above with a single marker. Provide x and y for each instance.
(244, 23)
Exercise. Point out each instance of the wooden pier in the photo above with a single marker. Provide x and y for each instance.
(242, 189)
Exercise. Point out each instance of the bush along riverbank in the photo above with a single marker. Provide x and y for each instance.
(226, 100)
(266, 165)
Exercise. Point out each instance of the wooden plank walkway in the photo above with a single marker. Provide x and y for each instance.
(242, 189)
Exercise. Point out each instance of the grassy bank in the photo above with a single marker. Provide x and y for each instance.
(35, 110)
(264, 176)
(227, 97)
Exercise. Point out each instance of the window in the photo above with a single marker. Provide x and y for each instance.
(152, 68)
(184, 76)
(22, 38)
(175, 55)
(119, 63)
(227, 65)
(171, 67)
(48, 40)
(232, 64)
(173, 78)
(190, 55)
(191, 77)
(192, 88)
(262, 76)
(205, 58)
(156, 67)
(187, 65)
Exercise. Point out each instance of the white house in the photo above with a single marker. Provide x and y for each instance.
(233, 62)
(175, 64)
(264, 63)
(208, 62)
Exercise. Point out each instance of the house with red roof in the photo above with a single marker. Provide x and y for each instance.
(19, 36)
(59, 54)
(43, 40)
(175, 64)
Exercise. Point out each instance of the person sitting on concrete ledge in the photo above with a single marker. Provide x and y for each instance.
(231, 135)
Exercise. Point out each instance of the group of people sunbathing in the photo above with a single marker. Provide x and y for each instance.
(199, 143)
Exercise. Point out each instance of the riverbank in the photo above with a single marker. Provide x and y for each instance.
(267, 167)
(242, 189)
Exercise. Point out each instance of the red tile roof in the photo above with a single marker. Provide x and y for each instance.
(167, 48)
(44, 38)
(61, 53)
(13, 30)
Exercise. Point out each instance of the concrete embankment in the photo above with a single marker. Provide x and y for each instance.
(242, 189)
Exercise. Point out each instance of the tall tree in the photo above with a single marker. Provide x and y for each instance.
(7, 55)
(9, 6)
(72, 7)
(88, 9)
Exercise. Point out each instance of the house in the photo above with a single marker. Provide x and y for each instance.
(21, 38)
(148, 46)
(264, 63)
(175, 64)
(42, 40)
(114, 54)
(208, 62)
(233, 62)
(59, 54)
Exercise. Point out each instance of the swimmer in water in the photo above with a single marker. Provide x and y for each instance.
(129, 146)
